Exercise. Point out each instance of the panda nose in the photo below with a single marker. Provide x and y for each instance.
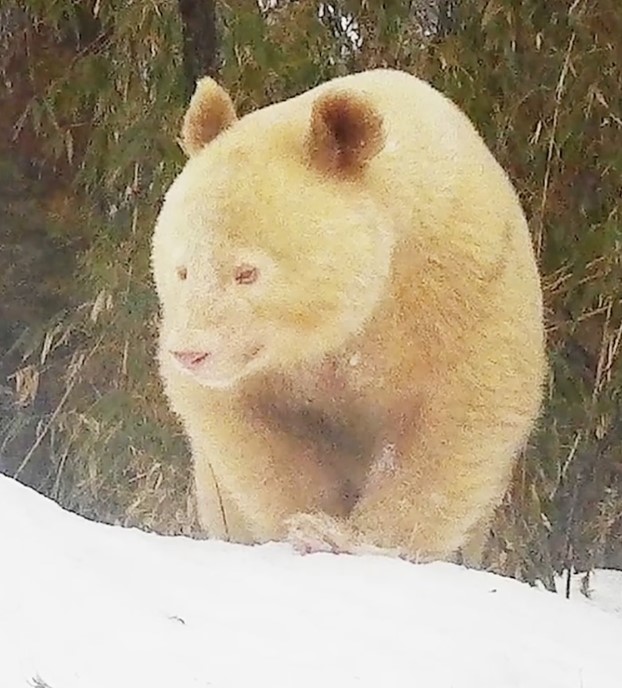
(191, 359)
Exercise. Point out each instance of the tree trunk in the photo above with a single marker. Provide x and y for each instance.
(200, 42)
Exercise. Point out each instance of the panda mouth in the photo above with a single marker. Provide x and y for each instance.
(254, 352)
(213, 368)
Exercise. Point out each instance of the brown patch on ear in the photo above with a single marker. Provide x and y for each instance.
(346, 132)
(209, 113)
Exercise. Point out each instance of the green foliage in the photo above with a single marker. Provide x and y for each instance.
(97, 100)
(102, 103)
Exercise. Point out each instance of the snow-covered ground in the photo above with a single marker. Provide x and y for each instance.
(85, 605)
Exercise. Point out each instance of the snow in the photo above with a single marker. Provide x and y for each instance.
(86, 605)
(604, 589)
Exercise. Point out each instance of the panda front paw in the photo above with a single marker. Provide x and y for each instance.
(310, 533)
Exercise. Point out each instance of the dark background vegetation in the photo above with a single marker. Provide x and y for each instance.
(91, 98)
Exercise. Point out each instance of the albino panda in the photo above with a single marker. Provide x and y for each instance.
(352, 328)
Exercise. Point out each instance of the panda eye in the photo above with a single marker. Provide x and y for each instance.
(246, 274)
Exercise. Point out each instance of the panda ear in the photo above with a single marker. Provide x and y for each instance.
(345, 133)
(209, 113)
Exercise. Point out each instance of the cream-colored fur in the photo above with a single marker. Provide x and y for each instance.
(351, 317)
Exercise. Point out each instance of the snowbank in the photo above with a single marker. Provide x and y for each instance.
(85, 605)
(604, 589)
